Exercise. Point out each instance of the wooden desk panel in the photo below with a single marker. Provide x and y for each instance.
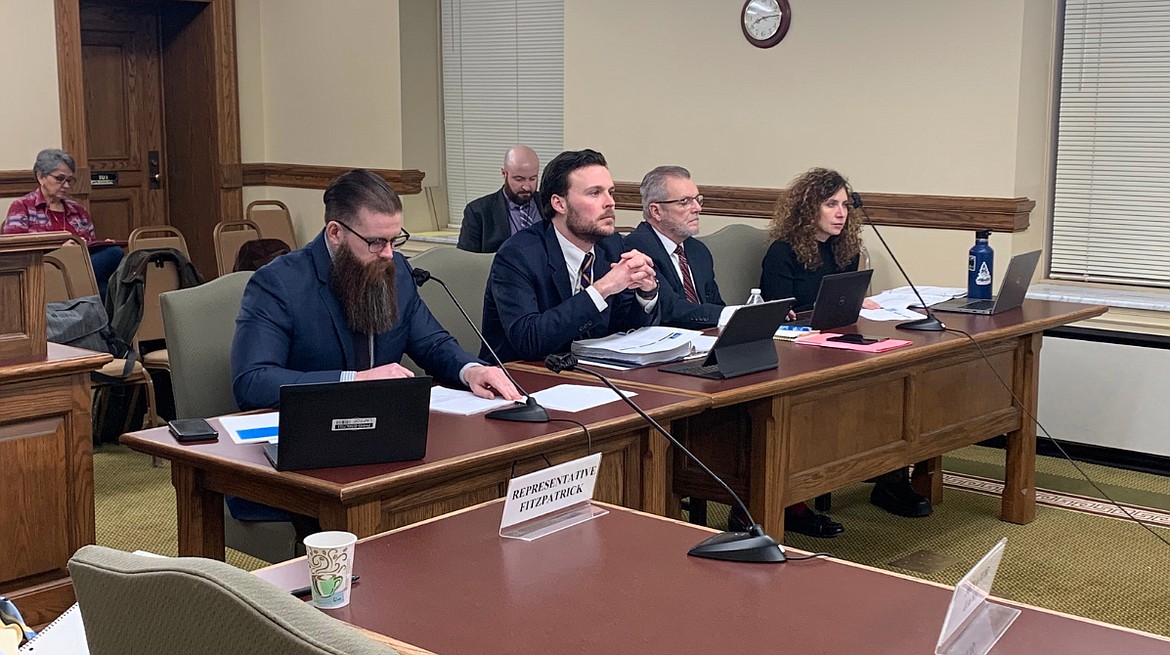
(623, 583)
(825, 418)
(469, 460)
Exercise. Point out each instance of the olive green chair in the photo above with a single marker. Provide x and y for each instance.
(200, 323)
(140, 605)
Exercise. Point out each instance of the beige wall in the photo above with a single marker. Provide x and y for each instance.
(319, 84)
(902, 96)
(30, 115)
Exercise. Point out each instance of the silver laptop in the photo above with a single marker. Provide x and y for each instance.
(1011, 291)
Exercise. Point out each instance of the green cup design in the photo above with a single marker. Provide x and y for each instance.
(327, 586)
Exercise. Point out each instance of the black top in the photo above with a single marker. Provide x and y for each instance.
(785, 277)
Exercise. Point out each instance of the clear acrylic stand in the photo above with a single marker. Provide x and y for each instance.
(973, 624)
(554, 522)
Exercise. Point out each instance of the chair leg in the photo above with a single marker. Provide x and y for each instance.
(151, 412)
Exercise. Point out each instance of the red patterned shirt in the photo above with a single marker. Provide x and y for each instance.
(30, 213)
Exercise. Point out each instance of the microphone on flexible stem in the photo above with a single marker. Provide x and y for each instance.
(931, 322)
(750, 546)
(530, 411)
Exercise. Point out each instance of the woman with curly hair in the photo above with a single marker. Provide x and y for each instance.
(814, 234)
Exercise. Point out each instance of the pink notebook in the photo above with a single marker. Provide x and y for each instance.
(820, 339)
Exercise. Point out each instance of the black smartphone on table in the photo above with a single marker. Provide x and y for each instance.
(192, 429)
(857, 339)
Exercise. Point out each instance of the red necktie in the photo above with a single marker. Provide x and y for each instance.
(688, 282)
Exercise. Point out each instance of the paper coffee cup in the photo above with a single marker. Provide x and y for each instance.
(330, 557)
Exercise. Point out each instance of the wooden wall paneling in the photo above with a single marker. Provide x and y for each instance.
(114, 212)
(223, 16)
(193, 164)
(36, 540)
(305, 176)
(904, 210)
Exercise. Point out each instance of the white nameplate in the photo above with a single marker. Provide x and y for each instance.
(973, 624)
(551, 499)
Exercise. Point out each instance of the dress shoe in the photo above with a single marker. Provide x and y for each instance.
(812, 524)
(899, 498)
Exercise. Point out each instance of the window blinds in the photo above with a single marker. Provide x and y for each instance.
(1111, 212)
(503, 84)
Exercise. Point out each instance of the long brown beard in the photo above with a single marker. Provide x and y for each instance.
(367, 292)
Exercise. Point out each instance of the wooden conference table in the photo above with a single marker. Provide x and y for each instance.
(469, 460)
(623, 583)
(826, 418)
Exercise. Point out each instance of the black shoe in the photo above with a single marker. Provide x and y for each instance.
(899, 498)
(812, 524)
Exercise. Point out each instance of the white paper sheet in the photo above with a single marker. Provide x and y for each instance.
(702, 344)
(577, 397)
(462, 403)
(892, 314)
(252, 428)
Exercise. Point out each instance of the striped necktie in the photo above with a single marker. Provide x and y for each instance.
(687, 280)
(585, 275)
(525, 215)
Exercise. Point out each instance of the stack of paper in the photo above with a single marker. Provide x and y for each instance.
(648, 345)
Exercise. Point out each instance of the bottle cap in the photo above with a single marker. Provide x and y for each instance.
(982, 234)
(754, 291)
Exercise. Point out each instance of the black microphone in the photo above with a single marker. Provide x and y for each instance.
(750, 546)
(931, 322)
(530, 411)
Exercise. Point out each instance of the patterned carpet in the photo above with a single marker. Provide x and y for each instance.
(1076, 557)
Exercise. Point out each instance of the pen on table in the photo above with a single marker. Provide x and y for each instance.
(304, 591)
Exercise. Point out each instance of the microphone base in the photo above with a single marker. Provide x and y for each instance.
(529, 412)
(928, 324)
(750, 546)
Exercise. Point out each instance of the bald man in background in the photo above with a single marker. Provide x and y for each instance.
(490, 220)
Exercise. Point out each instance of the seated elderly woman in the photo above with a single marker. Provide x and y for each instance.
(49, 209)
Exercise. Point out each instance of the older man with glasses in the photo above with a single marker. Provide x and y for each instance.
(345, 307)
(671, 203)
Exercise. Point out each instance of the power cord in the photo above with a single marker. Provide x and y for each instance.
(1056, 443)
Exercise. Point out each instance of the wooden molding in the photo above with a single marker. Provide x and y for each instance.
(305, 176)
(16, 183)
(904, 210)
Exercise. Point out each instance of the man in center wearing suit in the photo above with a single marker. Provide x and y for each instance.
(490, 220)
(567, 277)
(671, 204)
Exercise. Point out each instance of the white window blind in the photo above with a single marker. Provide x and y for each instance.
(1111, 213)
(503, 84)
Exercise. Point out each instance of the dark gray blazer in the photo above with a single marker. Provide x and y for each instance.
(674, 308)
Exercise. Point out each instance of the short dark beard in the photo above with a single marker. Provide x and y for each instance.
(583, 228)
(367, 292)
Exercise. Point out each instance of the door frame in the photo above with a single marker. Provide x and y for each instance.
(221, 33)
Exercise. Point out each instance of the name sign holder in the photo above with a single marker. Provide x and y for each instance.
(551, 499)
(973, 624)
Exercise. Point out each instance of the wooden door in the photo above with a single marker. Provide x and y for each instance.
(124, 118)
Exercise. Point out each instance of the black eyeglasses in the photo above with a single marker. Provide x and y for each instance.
(683, 202)
(63, 179)
(379, 244)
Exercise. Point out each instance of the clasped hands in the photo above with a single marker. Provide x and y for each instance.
(633, 271)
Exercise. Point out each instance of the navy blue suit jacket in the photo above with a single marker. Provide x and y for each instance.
(529, 310)
(675, 310)
(291, 329)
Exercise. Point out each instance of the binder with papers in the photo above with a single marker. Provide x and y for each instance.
(642, 347)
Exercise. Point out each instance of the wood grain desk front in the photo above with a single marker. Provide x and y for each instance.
(469, 460)
(826, 418)
(623, 583)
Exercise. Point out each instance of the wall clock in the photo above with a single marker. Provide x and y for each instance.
(765, 22)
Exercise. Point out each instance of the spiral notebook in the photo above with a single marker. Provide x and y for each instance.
(65, 636)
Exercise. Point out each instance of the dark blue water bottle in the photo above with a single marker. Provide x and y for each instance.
(980, 264)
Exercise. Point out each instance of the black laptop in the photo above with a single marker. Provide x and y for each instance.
(745, 345)
(838, 300)
(1011, 292)
(348, 423)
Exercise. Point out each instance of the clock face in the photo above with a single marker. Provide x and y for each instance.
(765, 22)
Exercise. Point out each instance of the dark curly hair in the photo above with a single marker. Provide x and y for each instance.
(795, 218)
